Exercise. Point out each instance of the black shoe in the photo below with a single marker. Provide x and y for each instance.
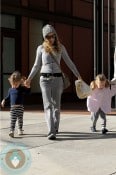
(104, 131)
(93, 129)
(56, 131)
(51, 137)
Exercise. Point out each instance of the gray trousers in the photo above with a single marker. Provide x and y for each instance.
(52, 89)
(95, 116)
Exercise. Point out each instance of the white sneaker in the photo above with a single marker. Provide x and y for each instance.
(20, 132)
(11, 133)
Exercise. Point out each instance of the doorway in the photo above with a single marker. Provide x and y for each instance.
(10, 53)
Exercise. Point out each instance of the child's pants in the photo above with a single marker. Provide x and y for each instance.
(16, 112)
(95, 116)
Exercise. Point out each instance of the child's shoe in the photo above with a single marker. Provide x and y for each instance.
(11, 134)
(20, 132)
(93, 129)
(104, 131)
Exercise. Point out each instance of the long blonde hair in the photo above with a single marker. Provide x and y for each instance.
(55, 48)
(100, 77)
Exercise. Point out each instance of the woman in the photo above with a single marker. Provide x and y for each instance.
(51, 82)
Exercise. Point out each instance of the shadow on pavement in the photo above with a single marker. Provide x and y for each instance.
(84, 136)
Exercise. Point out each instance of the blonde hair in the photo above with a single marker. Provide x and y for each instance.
(56, 47)
(15, 77)
(100, 77)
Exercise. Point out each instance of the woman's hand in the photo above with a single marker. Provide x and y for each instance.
(79, 78)
(27, 83)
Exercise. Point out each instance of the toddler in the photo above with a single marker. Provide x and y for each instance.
(99, 102)
(16, 96)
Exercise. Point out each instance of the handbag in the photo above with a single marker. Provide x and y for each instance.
(66, 81)
(83, 90)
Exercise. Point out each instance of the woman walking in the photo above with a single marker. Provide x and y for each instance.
(51, 82)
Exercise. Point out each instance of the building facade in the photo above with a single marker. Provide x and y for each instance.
(21, 26)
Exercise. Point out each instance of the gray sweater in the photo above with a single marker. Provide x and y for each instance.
(45, 63)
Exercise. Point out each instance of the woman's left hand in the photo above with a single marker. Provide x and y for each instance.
(79, 78)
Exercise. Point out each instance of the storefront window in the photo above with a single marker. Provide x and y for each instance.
(8, 54)
(35, 39)
(8, 21)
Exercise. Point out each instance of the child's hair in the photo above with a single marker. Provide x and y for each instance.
(15, 77)
(100, 77)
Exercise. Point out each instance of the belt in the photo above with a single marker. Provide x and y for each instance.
(47, 75)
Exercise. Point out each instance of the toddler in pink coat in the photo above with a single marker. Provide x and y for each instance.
(99, 102)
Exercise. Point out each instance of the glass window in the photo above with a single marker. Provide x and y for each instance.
(35, 39)
(8, 21)
(8, 55)
(6, 85)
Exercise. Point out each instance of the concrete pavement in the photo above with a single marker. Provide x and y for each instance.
(76, 151)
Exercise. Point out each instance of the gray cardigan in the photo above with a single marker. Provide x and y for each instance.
(45, 63)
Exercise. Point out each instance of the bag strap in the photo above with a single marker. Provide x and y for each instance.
(56, 62)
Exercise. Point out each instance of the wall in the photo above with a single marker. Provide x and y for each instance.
(73, 20)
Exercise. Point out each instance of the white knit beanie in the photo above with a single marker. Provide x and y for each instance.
(48, 29)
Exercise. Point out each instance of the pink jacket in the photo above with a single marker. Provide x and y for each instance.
(101, 98)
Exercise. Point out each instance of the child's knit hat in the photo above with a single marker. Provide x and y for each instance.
(48, 29)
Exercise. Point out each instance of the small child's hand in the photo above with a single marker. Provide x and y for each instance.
(27, 83)
(23, 80)
(3, 103)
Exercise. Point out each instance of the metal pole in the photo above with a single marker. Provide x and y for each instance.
(115, 20)
(115, 33)
(95, 32)
(109, 38)
(99, 36)
(102, 28)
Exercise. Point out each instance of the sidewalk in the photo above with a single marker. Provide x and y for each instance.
(76, 151)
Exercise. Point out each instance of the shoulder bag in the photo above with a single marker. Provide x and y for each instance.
(66, 81)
